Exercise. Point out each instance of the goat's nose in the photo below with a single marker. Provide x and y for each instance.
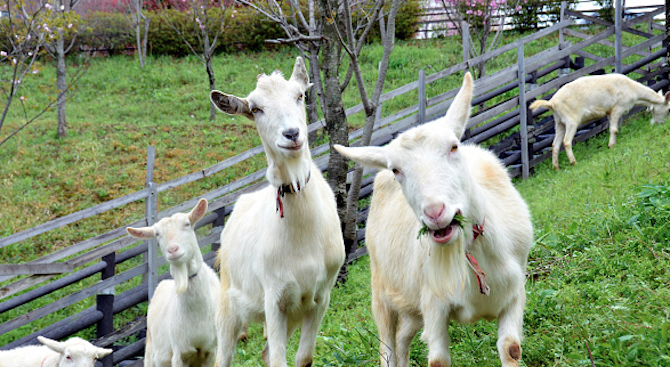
(173, 249)
(291, 134)
(434, 212)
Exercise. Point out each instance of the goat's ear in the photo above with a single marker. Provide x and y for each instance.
(231, 104)
(374, 157)
(667, 96)
(199, 211)
(56, 346)
(459, 111)
(101, 352)
(300, 74)
(144, 233)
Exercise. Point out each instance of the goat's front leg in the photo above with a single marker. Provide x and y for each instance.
(310, 327)
(276, 324)
(510, 324)
(436, 330)
(408, 326)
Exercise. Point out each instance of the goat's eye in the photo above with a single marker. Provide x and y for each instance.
(256, 110)
(301, 97)
(395, 171)
(454, 148)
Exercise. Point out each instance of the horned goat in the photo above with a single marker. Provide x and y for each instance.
(448, 237)
(282, 247)
(592, 97)
(180, 327)
(74, 352)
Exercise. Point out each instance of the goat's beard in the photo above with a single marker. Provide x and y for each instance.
(180, 274)
(446, 268)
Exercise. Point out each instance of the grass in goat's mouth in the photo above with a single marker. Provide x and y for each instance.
(458, 219)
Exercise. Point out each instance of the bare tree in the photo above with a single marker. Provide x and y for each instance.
(325, 31)
(64, 24)
(31, 26)
(206, 19)
(483, 17)
(140, 25)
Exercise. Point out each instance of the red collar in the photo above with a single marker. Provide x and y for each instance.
(478, 230)
(44, 360)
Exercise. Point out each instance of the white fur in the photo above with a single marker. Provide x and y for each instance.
(427, 177)
(75, 352)
(180, 319)
(273, 269)
(592, 97)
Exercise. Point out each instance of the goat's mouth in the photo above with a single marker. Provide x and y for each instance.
(294, 147)
(445, 234)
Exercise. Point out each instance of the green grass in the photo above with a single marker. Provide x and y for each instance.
(598, 271)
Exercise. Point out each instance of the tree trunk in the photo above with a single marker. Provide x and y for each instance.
(207, 54)
(312, 97)
(61, 83)
(336, 119)
(137, 18)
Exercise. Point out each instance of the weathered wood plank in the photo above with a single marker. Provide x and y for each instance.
(71, 218)
(71, 299)
(38, 269)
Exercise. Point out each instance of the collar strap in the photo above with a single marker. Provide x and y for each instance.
(478, 230)
(288, 189)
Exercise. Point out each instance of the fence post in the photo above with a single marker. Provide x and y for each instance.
(523, 129)
(105, 304)
(561, 35)
(618, 12)
(151, 211)
(465, 30)
(422, 97)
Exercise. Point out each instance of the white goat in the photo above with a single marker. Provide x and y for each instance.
(592, 97)
(422, 250)
(281, 248)
(75, 352)
(180, 319)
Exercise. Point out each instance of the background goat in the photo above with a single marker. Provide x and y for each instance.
(180, 319)
(282, 247)
(592, 97)
(429, 179)
(75, 352)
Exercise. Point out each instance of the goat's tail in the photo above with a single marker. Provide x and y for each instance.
(541, 103)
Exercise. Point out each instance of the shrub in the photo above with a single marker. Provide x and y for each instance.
(106, 31)
(406, 21)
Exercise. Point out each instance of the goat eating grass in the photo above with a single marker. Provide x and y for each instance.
(470, 264)
(180, 319)
(592, 97)
(282, 247)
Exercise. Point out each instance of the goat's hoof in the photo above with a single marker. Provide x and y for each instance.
(437, 364)
(514, 351)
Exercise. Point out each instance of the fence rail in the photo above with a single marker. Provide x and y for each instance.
(120, 271)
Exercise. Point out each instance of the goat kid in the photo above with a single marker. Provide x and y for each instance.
(180, 327)
(282, 247)
(74, 352)
(461, 269)
(592, 97)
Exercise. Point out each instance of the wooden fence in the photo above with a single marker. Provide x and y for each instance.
(93, 282)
